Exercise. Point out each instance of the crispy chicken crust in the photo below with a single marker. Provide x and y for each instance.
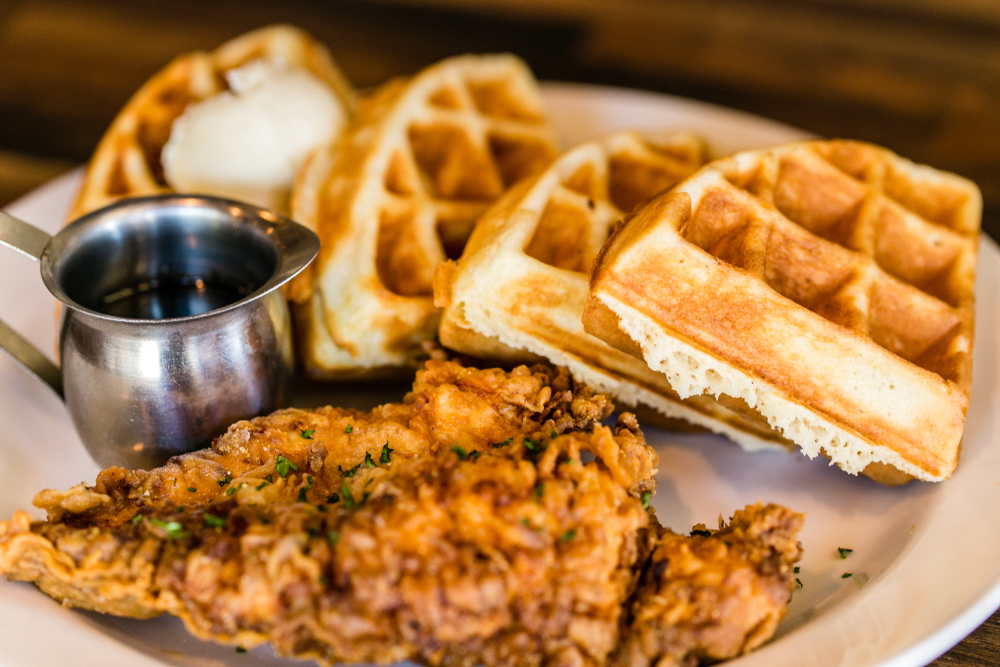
(715, 594)
(488, 519)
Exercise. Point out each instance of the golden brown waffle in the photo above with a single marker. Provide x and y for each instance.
(127, 160)
(519, 289)
(828, 285)
(400, 192)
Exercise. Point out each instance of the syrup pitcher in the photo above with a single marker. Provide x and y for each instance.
(174, 325)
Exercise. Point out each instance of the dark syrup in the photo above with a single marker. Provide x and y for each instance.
(167, 297)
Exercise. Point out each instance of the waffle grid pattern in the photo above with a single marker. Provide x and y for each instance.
(818, 225)
(401, 192)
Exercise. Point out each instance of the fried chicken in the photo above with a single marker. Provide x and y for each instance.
(488, 519)
(449, 405)
(715, 594)
(515, 554)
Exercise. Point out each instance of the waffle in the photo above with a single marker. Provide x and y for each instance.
(399, 193)
(827, 285)
(518, 292)
(127, 160)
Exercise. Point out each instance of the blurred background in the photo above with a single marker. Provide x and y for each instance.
(921, 77)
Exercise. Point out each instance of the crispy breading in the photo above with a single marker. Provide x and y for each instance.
(715, 594)
(450, 404)
(516, 554)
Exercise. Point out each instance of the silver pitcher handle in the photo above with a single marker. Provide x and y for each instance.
(30, 242)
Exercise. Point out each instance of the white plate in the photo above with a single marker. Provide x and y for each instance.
(926, 560)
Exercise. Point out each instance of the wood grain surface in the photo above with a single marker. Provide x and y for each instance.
(921, 77)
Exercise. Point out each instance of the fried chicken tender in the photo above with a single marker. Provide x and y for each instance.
(450, 405)
(715, 594)
(509, 553)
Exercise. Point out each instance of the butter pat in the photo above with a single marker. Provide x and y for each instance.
(248, 142)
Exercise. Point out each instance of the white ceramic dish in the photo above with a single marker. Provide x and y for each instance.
(926, 559)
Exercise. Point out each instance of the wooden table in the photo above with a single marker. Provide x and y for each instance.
(919, 77)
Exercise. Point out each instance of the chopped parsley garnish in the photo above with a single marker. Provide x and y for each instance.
(175, 481)
(386, 452)
(309, 433)
(349, 429)
(369, 482)
(539, 491)
(222, 481)
(174, 529)
(345, 492)
(506, 442)
(263, 519)
(213, 521)
(703, 533)
(526, 522)
(233, 489)
(846, 575)
(321, 508)
(136, 519)
(798, 582)
(180, 510)
(305, 489)
(554, 434)
(240, 649)
(568, 535)
(270, 480)
(283, 466)
(460, 452)
(569, 461)
(530, 444)
(646, 495)
(350, 472)
(843, 552)
(333, 537)
(262, 485)
(474, 454)
(313, 531)
(332, 498)
(191, 489)
(369, 463)
(796, 569)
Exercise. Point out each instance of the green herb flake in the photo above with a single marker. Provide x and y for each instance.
(843, 552)
(798, 582)
(350, 472)
(213, 521)
(530, 444)
(233, 489)
(180, 510)
(386, 453)
(321, 508)
(262, 485)
(309, 433)
(506, 442)
(554, 434)
(796, 569)
(240, 649)
(222, 481)
(313, 531)
(305, 489)
(474, 455)
(539, 491)
(569, 461)
(526, 523)
(333, 537)
(175, 481)
(270, 480)
(646, 495)
(191, 489)
(369, 463)
(136, 519)
(174, 529)
(460, 452)
(568, 535)
(283, 466)
(349, 429)
(263, 519)
(332, 498)
(703, 533)
(345, 492)
(846, 575)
